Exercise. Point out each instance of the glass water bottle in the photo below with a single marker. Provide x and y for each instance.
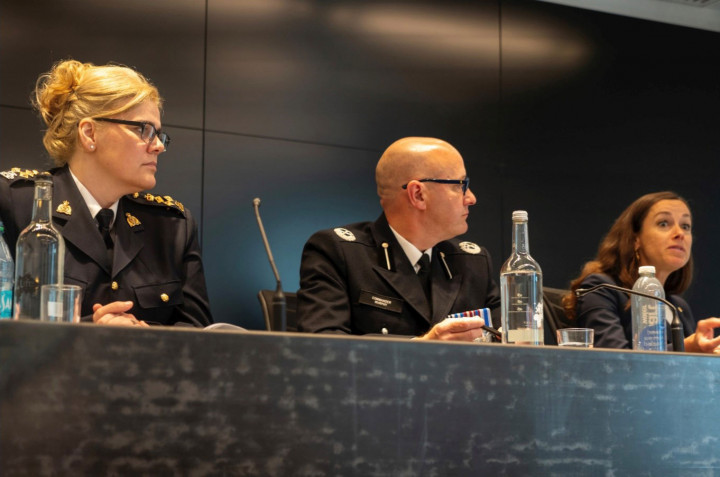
(521, 290)
(40, 253)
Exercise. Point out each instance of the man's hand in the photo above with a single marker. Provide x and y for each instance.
(456, 329)
(115, 314)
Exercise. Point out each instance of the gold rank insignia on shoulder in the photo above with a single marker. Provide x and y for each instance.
(64, 208)
(169, 201)
(161, 200)
(131, 220)
(17, 172)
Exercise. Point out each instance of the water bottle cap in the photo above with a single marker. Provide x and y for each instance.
(647, 269)
(519, 216)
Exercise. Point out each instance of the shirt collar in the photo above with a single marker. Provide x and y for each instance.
(411, 251)
(92, 204)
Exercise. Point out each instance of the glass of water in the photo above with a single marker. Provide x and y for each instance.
(576, 337)
(60, 303)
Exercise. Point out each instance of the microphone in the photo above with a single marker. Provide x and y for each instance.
(279, 305)
(676, 329)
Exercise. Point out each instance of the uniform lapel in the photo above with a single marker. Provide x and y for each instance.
(128, 239)
(72, 218)
(444, 289)
(402, 277)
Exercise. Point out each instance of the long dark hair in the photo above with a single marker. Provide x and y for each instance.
(616, 255)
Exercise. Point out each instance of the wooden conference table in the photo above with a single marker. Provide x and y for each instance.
(94, 400)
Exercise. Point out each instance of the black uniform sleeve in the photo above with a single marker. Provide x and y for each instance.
(196, 306)
(323, 299)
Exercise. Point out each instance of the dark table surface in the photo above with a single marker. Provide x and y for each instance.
(94, 400)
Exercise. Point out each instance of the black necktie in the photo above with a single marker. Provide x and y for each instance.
(424, 276)
(104, 219)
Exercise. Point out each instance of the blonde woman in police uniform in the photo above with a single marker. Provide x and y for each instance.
(104, 133)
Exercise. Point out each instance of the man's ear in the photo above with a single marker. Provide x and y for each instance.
(86, 135)
(417, 195)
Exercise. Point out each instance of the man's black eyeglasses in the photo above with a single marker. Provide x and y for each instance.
(464, 182)
(147, 130)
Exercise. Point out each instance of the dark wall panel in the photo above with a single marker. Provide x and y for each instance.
(630, 110)
(162, 40)
(567, 113)
(21, 139)
(352, 73)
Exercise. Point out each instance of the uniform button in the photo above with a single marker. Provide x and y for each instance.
(164, 297)
(114, 286)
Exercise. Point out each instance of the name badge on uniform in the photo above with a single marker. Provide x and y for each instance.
(381, 301)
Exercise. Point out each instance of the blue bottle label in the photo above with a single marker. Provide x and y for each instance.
(5, 304)
(651, 333)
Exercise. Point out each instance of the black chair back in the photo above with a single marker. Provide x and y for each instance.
(272, 323)
(554, 313)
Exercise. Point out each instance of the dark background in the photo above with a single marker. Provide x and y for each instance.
(567, 113)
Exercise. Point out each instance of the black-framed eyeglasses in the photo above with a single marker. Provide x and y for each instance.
(464, 182)
(147, 130)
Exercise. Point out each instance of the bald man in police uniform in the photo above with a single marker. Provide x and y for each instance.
(363, 278)
(156, 261)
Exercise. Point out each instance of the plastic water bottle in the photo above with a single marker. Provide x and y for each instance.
(521, 290)
(648, 314)
(7, 276)
(39, 253)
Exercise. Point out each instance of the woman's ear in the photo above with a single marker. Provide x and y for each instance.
(86, 135)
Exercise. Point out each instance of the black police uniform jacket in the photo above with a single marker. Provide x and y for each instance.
(349, 285)
(156, 264)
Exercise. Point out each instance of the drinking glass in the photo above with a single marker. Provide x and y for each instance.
(60, 303)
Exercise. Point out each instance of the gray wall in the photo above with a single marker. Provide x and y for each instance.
(569, 114)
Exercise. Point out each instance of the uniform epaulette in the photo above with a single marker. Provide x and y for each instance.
(470, 247)
(344, 234)
(164, 200)
(16, 172)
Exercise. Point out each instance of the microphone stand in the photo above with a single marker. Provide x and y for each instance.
(676, 329)
(279, 305)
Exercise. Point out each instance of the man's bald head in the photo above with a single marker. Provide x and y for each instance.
(411, 158)
(424, 213)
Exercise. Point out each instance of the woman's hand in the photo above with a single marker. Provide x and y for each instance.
(703, 340)
(115, 314)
